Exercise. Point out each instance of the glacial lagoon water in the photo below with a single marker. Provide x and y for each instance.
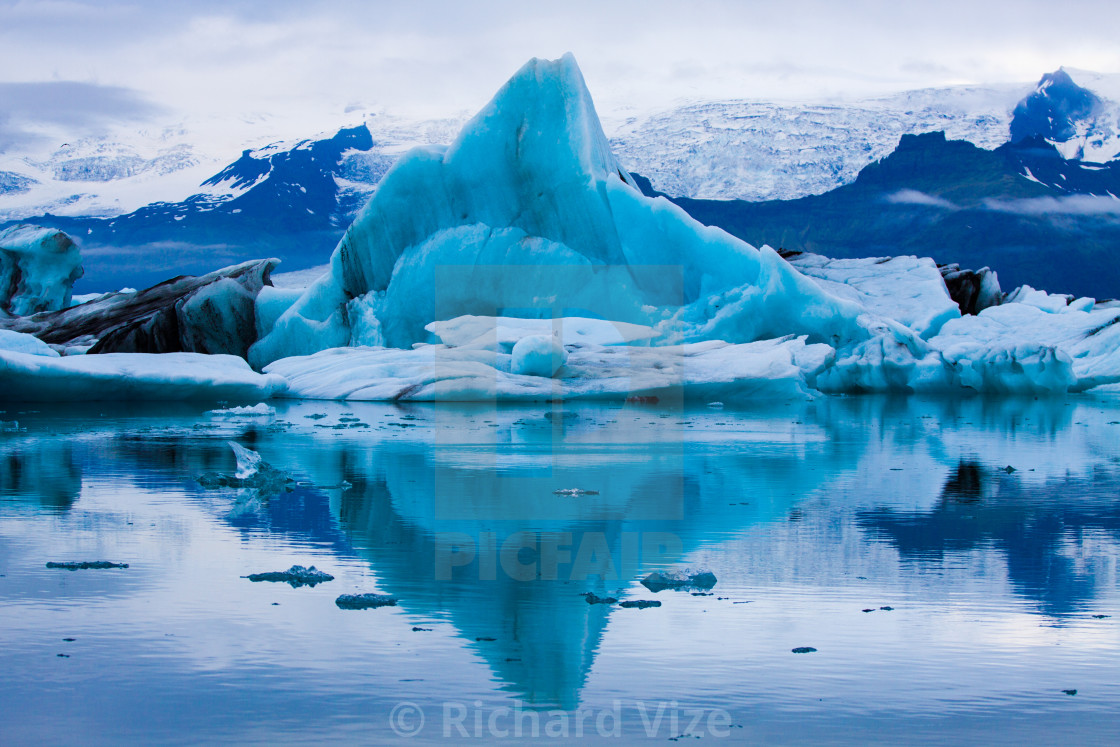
(954, 564)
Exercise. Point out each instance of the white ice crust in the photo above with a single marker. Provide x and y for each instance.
(21, 342)
(703, 371)
(133, 377)
(908, 290)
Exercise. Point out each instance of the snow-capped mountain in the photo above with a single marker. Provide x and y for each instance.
(711, 150)
(287, 200)
(1079, 123)
(181, 198)
(1037, 198)
(124, 170)
(1038, 218)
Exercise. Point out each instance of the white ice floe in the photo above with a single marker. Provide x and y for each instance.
(21, 342)
(909, 290)
(1010, 349)
(696, 371)
(132, 377)
(246, 411)
(1085, 336)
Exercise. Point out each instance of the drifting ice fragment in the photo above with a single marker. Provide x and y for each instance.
(257, 410)
(592, 598)
(248, 461)
(252, 472)
(364, 601)
(658, 581)
(296, 576)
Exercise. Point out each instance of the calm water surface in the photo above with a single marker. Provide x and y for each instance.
(991, 529)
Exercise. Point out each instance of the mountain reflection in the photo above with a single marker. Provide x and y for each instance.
(1039, 531)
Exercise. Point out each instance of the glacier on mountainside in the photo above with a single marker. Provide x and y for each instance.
(719, 149)
(753, 150)
(38, 267)
(125, 169)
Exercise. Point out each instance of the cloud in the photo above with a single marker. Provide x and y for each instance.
(1072, 205)
(234, 57)
(914, 197)
(25, 108)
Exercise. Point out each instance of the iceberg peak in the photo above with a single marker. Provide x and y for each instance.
(544, 119)
(519, 163)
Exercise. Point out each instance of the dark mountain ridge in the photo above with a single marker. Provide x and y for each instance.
(281, 203)
(1021, 209)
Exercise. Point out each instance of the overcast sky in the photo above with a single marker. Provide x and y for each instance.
(138, 59)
